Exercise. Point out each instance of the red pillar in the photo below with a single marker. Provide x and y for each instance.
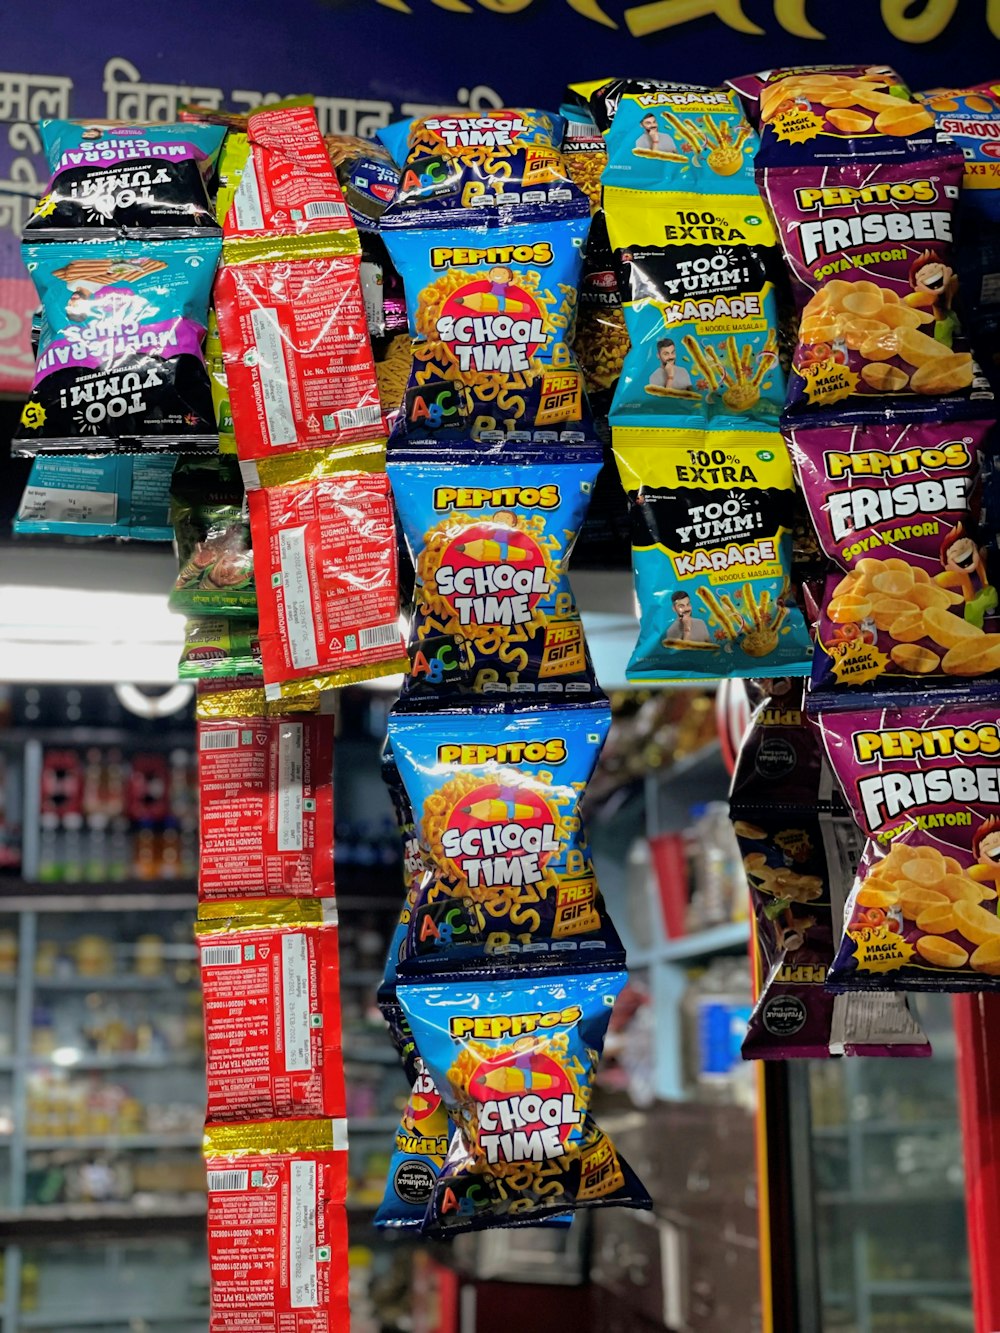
(977, 1029)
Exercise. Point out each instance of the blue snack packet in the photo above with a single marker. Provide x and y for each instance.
(120, 358)
(126, 180)
(490, 540)
(514, 1060)
(496, 802)
(109, 496)
(421, 1145)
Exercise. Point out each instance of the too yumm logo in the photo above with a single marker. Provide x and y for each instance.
(492, 324)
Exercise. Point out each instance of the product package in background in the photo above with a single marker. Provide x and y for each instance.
(419, 1149)
(490, 540)
(496, 808)
(514, 1060)
(111, 180)
(922, 777)
(800, 847)
(829, 115)
(106, 496)
(277, 1225)
(712, 516)
(120, 363)
(266, 793)
(212, 539)
(491, 312)
(870, 248)
(270, 978)
(216, 647)
(897, 505)
(328, 578)
(491, 168)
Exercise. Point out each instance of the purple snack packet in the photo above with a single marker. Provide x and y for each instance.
(800, 847)
(869, 247)
(922, 777)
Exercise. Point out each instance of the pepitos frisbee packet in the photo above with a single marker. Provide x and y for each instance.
(514, 1059)
(496, 805)
(921, 774)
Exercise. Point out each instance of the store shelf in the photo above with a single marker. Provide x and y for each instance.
(113, 982)
(717, 939)
(886, 1127)
(115, 1142)
(192, 1060)
(693, 765)
(18, 895)
(134, 1319)
(379, 1053)
(917, 1287)
(371, 976)
(376, 1124)
(846, 1198)
(80, 1213)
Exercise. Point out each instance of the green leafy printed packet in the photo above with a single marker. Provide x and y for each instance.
(216, 648)
(212, 539)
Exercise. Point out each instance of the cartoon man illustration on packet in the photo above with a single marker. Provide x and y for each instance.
(964, 569)
(934, 289)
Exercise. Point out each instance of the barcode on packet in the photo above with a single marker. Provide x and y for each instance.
(221, 955)
(221, 740)
(352, 417)
(379, 637)
(228, 1180)
(323, 209)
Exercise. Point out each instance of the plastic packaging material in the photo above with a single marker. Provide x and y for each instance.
(328, 580)
(271, 985)
(897, 505)
(920, 775)
(830, 114)
(970, 118)
(514, 1060)
(420, 1147)
(280, 197)
(266, 788)
(297, 359)
(716, 872)
(491, 313)
(870, 251)
(413, 873)
(220, 649)
(800, 847)
(111, 496)
(490, 540)
(285, 1181)
(495, 798)
(712, 519)
(120, 362)
(212, 538)
(113, 179)
(494, 168)
(220, 386)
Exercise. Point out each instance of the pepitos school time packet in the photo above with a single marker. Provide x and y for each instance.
(895, 499)
(921, 772)
(800, 847)
(487, 232)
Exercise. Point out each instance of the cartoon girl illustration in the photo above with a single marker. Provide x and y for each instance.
(934, 287)
(964, 569)
(986, 850)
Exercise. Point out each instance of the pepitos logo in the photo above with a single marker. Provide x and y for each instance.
(527, 1107)
(492, 325)
(500, 835)
(491, 574)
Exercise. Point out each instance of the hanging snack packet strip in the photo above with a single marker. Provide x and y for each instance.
(491, 312)
(496, 800)
(212, 538)
(277, 1226)
(414, 870)
(831, 114)
(493, 168)
(281, 197)
(266, 793)
(490, 542)
(220, 386)
(869, 247)
(514, 1059)
(270, 976)
(112, 496)
(420, 1147)
(897, 507)
(328, 586)
(120, 361)
(800, 849)
(129, 180)
(923, 780)
(970, 118)
(218, 648)
(601, 341)
(712, 522)
(679, 139)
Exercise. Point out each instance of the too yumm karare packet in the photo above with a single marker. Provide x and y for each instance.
(514, 1058)
(922, 775)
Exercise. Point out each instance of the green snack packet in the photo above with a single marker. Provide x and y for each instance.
(212, 540)
(217, 648)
